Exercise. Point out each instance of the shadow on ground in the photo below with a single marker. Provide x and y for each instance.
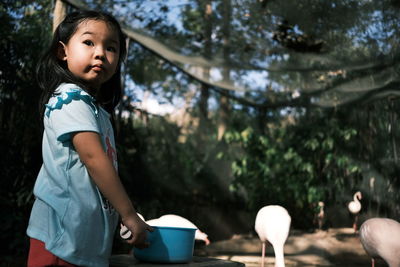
(334, 247)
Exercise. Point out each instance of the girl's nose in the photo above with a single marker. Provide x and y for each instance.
(99, 53)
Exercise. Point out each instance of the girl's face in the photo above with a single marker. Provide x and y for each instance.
(92, 53)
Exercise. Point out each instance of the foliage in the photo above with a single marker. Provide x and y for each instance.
(156, 165)
(22, 39)
(294, 165)
(286, 156)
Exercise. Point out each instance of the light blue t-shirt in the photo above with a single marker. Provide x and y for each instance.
(69, 214)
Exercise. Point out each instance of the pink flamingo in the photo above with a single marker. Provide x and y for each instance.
(380, 238)
(173, 220)
(355, 207)
(272, 225)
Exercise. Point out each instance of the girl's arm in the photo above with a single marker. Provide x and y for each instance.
(90, 150)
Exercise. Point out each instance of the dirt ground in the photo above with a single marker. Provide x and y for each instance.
(334, 247)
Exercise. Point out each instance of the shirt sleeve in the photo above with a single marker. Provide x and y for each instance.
(74, 112)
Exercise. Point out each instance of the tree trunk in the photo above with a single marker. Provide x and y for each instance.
(392, 122)
(60, 11)
(124, 75)
(204, 93)
(224, 105)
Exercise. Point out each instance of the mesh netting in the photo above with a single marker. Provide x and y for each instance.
(269, 53)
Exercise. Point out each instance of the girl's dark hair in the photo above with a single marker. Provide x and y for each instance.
(51, 71)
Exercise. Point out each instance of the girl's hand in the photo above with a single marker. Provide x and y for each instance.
(139, 229)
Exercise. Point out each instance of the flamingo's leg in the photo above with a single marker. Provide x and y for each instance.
(355, 223)
(262, 254)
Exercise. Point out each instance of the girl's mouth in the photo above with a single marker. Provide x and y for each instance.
(97, 68)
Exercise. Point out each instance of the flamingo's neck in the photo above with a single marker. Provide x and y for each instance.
(279, 257)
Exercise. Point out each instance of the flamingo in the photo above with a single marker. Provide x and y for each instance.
(355, 207)
(380, 237)
(321, 214)
(173, 220)
(272, 225)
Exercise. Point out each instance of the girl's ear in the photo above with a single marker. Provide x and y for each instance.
(61, 55)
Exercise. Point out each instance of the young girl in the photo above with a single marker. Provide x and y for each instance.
(78, 192)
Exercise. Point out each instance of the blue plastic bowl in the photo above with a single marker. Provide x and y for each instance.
(168, 245)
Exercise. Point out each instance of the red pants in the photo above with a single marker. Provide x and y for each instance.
(40, 257)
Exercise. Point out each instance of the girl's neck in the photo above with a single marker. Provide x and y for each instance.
(91, 91)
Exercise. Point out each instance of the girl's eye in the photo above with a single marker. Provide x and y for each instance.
(111, 49)
(88, 42)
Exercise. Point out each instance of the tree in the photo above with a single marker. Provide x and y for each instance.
(22, 23)
(224, 105)
(289, 56)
